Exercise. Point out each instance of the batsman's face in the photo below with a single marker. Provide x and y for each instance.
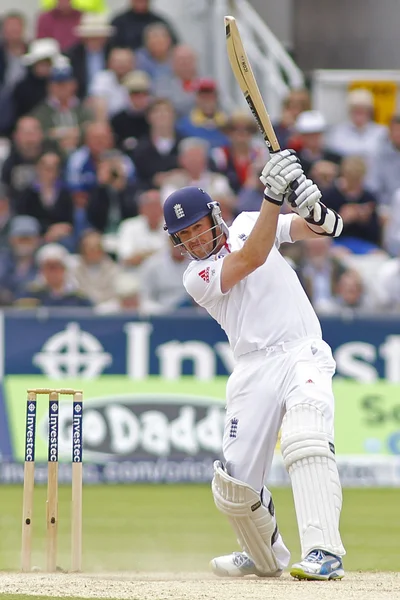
(198, 239)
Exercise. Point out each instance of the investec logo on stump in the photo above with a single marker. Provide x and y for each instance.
(53, 432)
(30, 432)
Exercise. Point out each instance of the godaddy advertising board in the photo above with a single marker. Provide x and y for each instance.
(170, 430)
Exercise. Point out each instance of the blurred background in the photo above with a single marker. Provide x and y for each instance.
(108, 106)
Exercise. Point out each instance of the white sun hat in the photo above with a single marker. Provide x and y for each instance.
(45, 48)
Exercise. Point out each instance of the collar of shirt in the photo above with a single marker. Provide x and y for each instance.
(55, 104)
(164, 145)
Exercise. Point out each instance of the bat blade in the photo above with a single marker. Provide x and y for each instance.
(247, 82)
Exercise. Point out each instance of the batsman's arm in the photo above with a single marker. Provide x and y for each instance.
(323, 221)
(255, 250)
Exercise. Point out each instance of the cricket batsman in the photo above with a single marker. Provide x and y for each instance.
(282, 378)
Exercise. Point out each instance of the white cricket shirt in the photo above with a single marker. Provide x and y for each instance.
(267, 307)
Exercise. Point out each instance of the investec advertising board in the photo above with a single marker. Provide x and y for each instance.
(154, 397)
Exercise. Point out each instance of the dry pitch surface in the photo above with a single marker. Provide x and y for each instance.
(198, 586)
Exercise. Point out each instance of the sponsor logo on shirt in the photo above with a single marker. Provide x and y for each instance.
(205, 275)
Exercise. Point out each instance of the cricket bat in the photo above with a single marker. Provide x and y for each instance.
(245, 77)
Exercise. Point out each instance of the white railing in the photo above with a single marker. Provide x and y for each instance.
(275, 71)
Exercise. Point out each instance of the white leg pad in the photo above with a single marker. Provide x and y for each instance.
(308, 454)
(254, 526)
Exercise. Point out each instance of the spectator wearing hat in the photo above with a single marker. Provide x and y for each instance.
(206, 120)
(32, 89)
(179, 88)
(12, 68)
(235, 159)
(61, 115)
(48, 200)
(131, 24)
(17, 266)
(157, 153)
(359, 135)
(59, 23)
(89, 55)
(126, 296)
(54, 288)
(310, 127)
(95, 272)
(131, 124)
(18, 171)
(108, 95)
(155, 56)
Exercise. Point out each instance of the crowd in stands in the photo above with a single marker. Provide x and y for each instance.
(100, 120)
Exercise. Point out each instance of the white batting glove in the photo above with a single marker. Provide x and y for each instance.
(303, 197)
(327, 219)
(279, 172)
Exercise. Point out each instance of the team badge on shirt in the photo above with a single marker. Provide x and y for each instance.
(205, 275)
(180, 213)
(233, 429)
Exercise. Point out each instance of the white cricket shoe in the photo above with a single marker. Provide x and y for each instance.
(318, 565)
(238, 564)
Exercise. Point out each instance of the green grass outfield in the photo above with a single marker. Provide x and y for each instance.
(177, 528)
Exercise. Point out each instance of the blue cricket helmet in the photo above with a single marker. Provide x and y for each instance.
(185, 207)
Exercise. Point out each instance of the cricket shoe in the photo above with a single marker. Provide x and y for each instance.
(238, 564)
(318, 565)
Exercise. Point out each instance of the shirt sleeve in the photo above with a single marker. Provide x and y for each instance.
(202, 280)
(283, 229)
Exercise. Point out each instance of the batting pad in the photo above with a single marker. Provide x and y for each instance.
(308, 454)
(254, 525)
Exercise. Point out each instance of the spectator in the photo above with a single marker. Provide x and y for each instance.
(127, 297)
(18, 267)
(140, 237)
(61, 114)
(319, 272)
(59, 23)
(360, 135)
(351, 295)
(131, 124)
(357, 207)
(157, 153)
(324, 173)
(12, 69)
(5, 216)
(107, 93)
(47, 199)
(32, 89)
(89, 55)
(54, 287)
(194, 171)
(113, 198)
(295, 103)
(180, 87)
(205, 120)
(155, 56)
(96, 274)
(235, 160)
(388, 285)
(131, 24)
(18, 170)
(384, 174)
(310, 127)
(83, 164)
(161, 289)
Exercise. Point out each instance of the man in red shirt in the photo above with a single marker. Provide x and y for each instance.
(59, 23)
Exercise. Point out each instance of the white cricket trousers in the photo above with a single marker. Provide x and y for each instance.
(262, 387)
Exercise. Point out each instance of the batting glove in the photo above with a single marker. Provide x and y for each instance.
(280, 171)
(304, 196)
